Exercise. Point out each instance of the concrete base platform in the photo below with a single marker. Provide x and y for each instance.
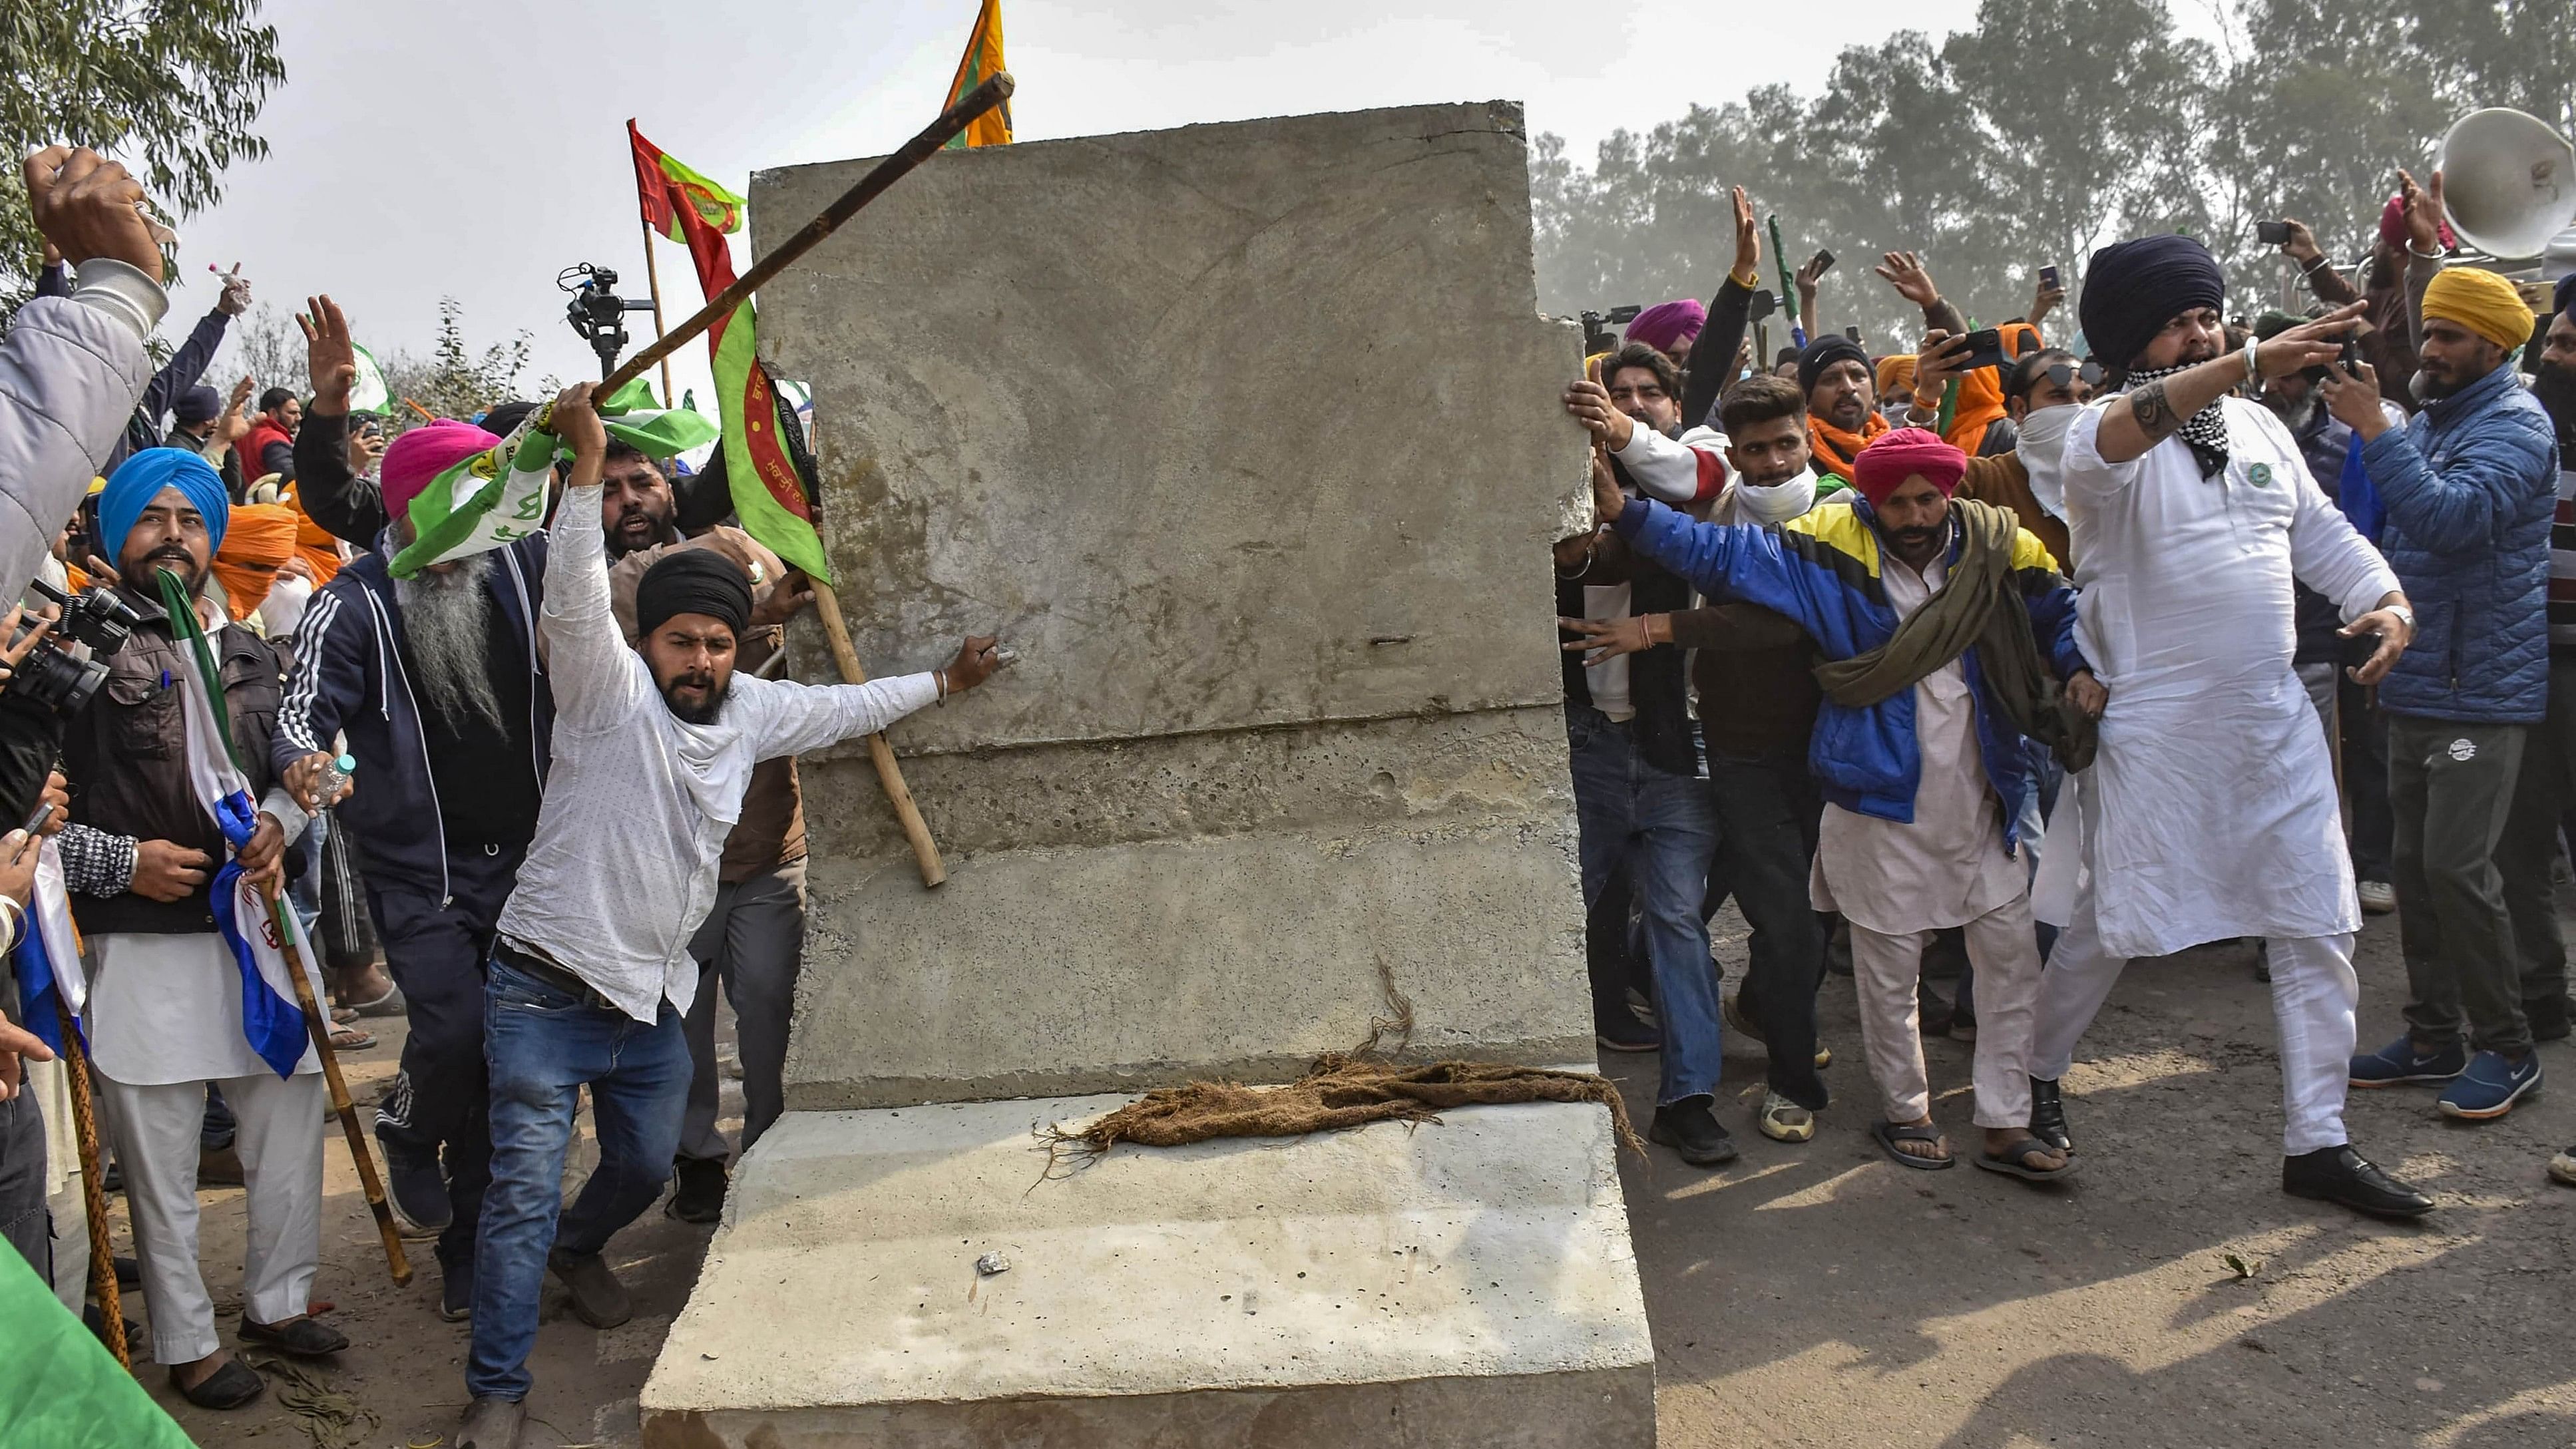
(1464, 1283)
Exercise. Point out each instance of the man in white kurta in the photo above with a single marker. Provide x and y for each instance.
(2210, 811)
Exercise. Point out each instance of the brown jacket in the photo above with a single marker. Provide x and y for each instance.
(2002, 481)
(771, 832)
(126, 759)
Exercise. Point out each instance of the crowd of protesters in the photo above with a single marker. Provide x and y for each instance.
(1991, 658)
(538, 798)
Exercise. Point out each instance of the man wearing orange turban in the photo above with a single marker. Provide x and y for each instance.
(260, 538)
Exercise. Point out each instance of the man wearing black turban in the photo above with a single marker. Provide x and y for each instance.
(2210, 810)
(591, 978)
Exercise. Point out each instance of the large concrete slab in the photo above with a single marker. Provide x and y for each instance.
(1248, 437)
(1470, 1284)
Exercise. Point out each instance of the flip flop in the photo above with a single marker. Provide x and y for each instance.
(1889, 1134)
(350, 1039)
(389, 1004)
(2009, 1162)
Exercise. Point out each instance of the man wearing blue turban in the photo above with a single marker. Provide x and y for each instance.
(166, 1013)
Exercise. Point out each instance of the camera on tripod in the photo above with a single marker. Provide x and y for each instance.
(54, 677)
(597, 313)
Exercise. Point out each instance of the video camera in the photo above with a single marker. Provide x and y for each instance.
(1597, 325)
(51, 675)
(597, 313)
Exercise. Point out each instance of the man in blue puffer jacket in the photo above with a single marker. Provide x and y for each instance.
(1917, 749)
(2469, 486)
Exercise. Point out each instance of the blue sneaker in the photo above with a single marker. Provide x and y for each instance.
(2490, 1086)
(2397, 1063)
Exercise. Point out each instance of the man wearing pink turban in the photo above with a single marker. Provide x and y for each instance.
(1929, 688)
(435, 685)
(1670, 328)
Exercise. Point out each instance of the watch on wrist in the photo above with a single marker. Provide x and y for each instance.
(2405, 613)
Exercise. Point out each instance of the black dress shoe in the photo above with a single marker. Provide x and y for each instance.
(2048, 1116)
(1690, 1128)
(700, 1196)
(2341, 1175)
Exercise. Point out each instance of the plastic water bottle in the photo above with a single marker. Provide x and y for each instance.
(336, 779)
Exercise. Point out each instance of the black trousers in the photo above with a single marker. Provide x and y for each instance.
(1768, 812)
(436, 952)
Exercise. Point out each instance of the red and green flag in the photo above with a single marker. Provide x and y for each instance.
(982, 60)
(769, 495)
(665, 188)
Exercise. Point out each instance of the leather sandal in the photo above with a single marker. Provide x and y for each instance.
(302, 1337)
(228, 1387)
(1890, 1133)
(2014, 1161)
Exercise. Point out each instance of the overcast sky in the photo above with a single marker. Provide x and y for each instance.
(473, 148)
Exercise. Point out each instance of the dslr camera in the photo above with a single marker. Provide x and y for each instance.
(51, 675)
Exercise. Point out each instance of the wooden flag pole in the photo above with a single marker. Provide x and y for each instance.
(996, 89)
(317, 1025)
(886, 173)
(653, 280)
(925, 851)
(102, 1260)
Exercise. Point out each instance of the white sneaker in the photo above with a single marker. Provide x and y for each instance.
(2378, 897)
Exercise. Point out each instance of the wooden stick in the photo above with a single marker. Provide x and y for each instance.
(925, 851)
(317, 1024)
(653, 280)
(892, 169)
(102, 1253)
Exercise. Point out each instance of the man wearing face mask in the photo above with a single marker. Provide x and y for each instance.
(1757, 712)
(2210, 811)
(2043, 385)
(1948, 632)
(2469, 487)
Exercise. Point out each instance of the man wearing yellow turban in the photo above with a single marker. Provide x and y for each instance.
(2470, 486)
(260, 539)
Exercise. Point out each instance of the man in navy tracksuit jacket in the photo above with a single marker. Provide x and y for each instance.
(449, 774)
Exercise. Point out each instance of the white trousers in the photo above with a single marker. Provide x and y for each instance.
(2314, 992)
(279, 1138)
(1885, 969)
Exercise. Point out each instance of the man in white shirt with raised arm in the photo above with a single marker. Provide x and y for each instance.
(652, 749)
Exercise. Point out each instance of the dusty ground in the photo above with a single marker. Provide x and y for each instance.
(1820, 1295)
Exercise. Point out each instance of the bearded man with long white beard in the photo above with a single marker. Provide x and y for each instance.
(438, 685)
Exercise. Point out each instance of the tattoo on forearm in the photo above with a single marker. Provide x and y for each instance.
(2154, 415)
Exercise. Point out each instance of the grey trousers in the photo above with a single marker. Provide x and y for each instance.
(280, 1140)
(753, 940)
(2541, 799)
(23, 1219)
(2452, 785)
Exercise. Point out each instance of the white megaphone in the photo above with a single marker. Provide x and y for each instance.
(2508, 182)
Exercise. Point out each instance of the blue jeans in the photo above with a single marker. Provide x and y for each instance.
(541, 1043)
(1664, 828)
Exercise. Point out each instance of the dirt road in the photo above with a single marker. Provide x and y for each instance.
(1820, 1295)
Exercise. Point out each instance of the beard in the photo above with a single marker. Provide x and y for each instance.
(639, 526)
(447, 620)
(705, 711)
(2295, 414)
(2555, 386)
(173, 556)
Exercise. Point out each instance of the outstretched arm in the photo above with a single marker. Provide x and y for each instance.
(2155, 411)
(801, 717)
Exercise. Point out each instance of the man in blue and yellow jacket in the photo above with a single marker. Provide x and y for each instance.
(1946, 632)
